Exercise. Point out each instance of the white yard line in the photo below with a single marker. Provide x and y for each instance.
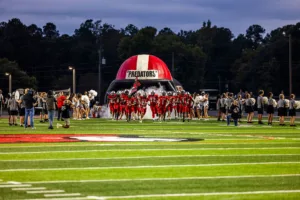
(146, 157)
(62, 195)
(201, 194)
(165, 179)
(12, 186)
(147, 166)
(22, 189)
(45, 191)
(156, 149)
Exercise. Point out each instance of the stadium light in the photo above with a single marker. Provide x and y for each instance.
(10, 81)
(74, 78)
(290, 61)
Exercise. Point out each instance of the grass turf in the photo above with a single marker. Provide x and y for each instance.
(233, 160)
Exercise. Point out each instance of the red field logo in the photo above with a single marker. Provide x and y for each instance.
(45, 138)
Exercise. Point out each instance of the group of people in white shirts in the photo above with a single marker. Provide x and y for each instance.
(246, 103)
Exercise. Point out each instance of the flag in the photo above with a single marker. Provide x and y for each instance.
(135, 86)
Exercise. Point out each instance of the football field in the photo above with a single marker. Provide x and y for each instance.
(103, 159)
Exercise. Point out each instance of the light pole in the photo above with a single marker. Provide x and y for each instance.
(10, 79)
(102, 61)
(74, 78)
(290, 62)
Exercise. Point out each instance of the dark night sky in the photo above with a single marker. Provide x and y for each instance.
(176, 14)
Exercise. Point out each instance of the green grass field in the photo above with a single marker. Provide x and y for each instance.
(245, 162)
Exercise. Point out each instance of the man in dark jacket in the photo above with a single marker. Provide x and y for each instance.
(29, 108)
(50, 104)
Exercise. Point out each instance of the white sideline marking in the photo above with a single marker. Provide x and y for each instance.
(21, 189)
(164, 179)
(72, 198)
(95, 145)
(45, 191)
(146, 166)
(201, 194)
(62, 195)
(140, 157)
(11, 186)
(163, 149)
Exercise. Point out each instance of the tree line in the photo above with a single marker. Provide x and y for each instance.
(207, 57)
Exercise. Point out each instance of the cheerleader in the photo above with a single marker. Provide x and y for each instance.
(228, 104)
(222, 106)
(249, 108)
(260, 106)
(218, 107)
(292, 110)
(241, 104)
(205, 105)
(235, 112)
(270, 108)
(281, 109)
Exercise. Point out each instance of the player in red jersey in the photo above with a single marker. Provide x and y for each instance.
(162, 102)
(170, 104)
(137, 106)
(183, 99)
(153, 99)
(179, 104)
(123, 103)
(189, 106)
(112, 98)
(130, 107)
(117, 106)
(143, 101)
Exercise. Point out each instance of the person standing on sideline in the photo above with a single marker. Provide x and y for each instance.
(22, 108)
(281, 105)
(235, 112)
(228, 105)
(260, 106)
(65, 109)
(270, 109)
(60, 103)
(249, 108)
(29, 108)
(292, 110)
(1, 102)
(13, 110)
(50, 105)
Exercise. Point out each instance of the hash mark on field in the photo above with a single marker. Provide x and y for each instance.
(96, 198)
(62, 195)
(145, 157)
(11, 186)
(201, 194)
(21, 189)
(166, 179)
(118, 150)
(147, 166)
(45, 191)
(14, 183)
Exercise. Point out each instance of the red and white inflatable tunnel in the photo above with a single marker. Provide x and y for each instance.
(150, 70)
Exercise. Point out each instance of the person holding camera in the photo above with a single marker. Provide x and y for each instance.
(65, 109)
